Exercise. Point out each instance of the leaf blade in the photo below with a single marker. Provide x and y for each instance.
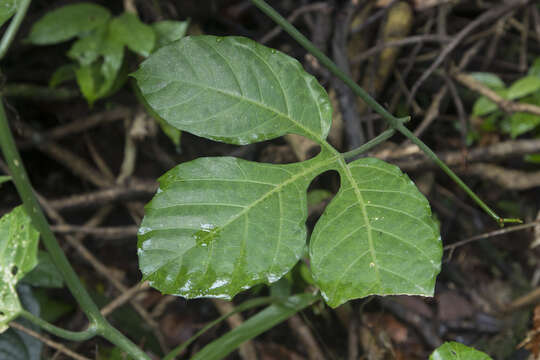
(220, 225)
(377, 216)
(67, 22)
(457, 351)
(251, 93)
(18, 249)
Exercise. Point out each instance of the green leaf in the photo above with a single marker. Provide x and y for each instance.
(457, 351)
(127, 29)
(168, 31)
(100, 57)
(534, 70)
(257, 324)
(67, 22)
(233, 90)
(62, 74)
(524, 86)
(532, 158)
(4, 178)
(522, 122)
(378, 222)
(18, 255)
(45, 274)
(7, 9)
(15, 344)
(220, 225)
(489, 79)
(483, 106)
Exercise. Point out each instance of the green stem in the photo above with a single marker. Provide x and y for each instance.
(31, 205)
(393, 121)
(385, 135)
(89, 333)
(9, 35)
(242, 307)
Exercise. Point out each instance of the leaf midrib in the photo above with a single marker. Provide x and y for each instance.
(318, 164)
(299, 125)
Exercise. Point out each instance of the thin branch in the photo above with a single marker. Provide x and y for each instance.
(491, 234)
(506, 105)
(55, 345)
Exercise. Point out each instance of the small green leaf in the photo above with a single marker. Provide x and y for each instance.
(62, 74)
(257, 324)
(489, 79)
(366, 239)
(532, 158)
(457, 351)
(220, 225)
(7, 9)
(483, 106)
(522, 122)
(168, 31)
(67, 22)
(45, 274)
(534, 70)
(524, 86)
(246, 91)
(97, 78)
(18, 255)
(15, 344)
(127, 29)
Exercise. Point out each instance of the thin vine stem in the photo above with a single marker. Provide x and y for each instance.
(385, 135)
(89, 333)
(9, 35)
(32, 208)
(393, 121)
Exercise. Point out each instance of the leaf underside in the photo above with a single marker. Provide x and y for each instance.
(220, 225)
(18, 255)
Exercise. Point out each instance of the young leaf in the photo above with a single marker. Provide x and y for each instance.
(233, 90)
(18, 255)
(168, 31)
(62, 74)
(521, 122)
(489, 79)
(457, 351)
(524, 86)
(95, 78)
(377, 223)
(7, 9)
(129, 30)
(220, 225)
(67, 22)
(534, 70)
